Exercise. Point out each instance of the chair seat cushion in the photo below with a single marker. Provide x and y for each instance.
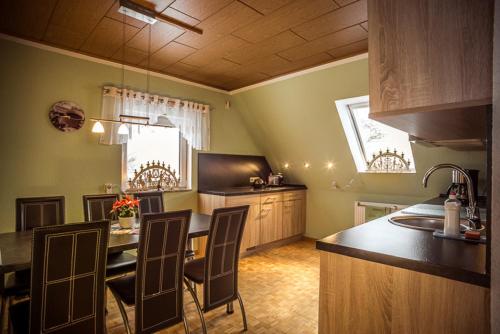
(17, 284)
(124, 287)
(195, 270)
(120, 263)
(19, 314)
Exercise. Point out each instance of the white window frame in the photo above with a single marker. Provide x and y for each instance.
(185, 166)
(353, 138)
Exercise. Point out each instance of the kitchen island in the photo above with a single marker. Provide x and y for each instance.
(381, 278)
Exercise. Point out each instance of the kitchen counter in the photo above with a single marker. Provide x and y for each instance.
(383, 242)
(237, 191)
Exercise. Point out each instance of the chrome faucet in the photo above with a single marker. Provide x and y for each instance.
(472, 211)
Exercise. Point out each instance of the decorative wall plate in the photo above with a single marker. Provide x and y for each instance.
(66, 116)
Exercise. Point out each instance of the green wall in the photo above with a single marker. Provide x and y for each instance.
(296, 120)
(38, 160)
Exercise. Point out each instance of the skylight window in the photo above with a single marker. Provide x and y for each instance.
(375, 147)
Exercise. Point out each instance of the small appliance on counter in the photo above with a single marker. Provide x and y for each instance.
(459, 185)
(257, 183)
(275, 179)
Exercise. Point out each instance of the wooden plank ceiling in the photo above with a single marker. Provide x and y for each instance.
(244, 42)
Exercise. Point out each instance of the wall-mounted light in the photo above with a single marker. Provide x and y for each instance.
(286, 165)
(329, 165)
(307, 165)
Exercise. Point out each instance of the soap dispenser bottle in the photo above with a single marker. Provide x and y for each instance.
(452, 215)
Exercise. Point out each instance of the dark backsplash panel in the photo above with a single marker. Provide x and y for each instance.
(219, 171)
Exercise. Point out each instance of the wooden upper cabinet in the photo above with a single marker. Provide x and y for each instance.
(430, 66)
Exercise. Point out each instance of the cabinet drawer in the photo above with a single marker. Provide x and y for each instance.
(242, 200)
(293, 195)
(269, 199)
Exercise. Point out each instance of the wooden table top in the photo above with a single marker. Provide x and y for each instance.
(15, 247)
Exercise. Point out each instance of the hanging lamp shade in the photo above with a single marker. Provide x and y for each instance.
(123, 129)
(98, 128)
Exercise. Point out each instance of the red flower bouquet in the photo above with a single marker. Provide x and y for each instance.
(126, 207)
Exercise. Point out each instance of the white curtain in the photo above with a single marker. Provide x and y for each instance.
(192, 119)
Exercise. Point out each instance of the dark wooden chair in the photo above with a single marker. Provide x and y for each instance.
(30, 213)
(96, 208)
(39, 211)
(150, 202)
(67, 283)
(218, 271)
(156, 289)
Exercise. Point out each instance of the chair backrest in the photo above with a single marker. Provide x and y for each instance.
(39, 211)
(67, 278)
(98, 207)
(160, 270)
(221, 257)
(150, 202)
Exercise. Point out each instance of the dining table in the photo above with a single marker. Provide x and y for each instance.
(15, 247)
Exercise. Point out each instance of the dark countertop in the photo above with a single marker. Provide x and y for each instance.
(383, 242)
(236, 191)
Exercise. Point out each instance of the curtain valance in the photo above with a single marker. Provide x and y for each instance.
(191, 118)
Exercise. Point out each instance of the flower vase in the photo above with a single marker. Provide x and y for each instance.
(126, 222)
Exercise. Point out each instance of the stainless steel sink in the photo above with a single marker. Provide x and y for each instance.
(425, 223)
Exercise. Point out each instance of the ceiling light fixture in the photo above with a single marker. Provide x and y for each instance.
(150, 16)
(123, 129)
(137, 12)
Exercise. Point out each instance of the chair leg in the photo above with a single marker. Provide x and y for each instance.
(245, 327)
(9, 323)
(186, 327)
(122, 311)
(198, 307)
(229, 308)
(4, 314)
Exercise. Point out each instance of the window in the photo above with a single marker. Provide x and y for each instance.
(368, 138)
(148, 143)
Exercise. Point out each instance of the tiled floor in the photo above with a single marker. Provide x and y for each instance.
(279, 288)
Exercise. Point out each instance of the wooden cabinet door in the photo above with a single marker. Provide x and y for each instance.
(294, 209)
(292, 218)
(271, 227)
(299, 217)
(251, 234)
(431, 66)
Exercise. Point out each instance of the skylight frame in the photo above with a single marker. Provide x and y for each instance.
(345, 109)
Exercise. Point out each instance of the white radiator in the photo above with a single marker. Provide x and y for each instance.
(360, 210)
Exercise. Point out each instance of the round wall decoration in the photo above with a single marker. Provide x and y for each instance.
(66, 116)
